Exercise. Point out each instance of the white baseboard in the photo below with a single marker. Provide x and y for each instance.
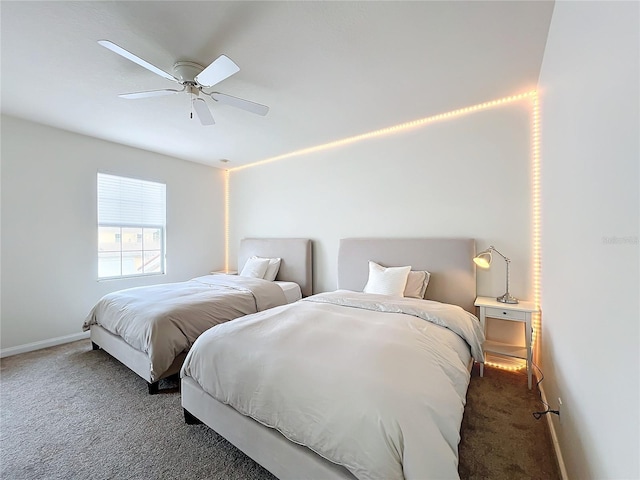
(554, 439)
(52, 342)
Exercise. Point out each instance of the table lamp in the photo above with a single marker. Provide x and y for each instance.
(483, 260)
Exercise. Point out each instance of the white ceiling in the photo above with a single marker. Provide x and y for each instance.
(327, 70)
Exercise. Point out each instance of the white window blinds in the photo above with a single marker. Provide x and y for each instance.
(129, 201)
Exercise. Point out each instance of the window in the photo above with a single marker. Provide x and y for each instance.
(131, 226)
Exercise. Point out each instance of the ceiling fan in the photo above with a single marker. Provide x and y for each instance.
(193, 78)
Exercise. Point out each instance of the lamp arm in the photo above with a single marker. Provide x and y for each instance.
(495, 250)
(508, 260)
(506, 298)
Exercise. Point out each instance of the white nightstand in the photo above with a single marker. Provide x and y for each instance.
(224, 272)
(514, 312)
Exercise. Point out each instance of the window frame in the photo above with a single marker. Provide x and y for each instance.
(121, 226)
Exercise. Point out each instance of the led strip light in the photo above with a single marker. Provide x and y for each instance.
(226, 220)
(535, 187)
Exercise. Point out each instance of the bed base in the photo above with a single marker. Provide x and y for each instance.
(190, 419)
(267, 446)
(131, 358)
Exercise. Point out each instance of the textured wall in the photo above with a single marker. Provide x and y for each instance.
(590, 212)
(467, 176)
(49, 225)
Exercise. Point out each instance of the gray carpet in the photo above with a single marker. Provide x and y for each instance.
(69, 412)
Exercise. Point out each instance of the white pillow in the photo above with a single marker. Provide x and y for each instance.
(272, 269)
(255, 267)
(387, 281)
(417, 284)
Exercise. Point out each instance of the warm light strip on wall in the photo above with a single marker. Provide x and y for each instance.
(390, 130)
(535, 160)
(535, 187)
(536, 219)
(226, 220)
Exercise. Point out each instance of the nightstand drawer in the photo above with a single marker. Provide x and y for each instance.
(508, 314)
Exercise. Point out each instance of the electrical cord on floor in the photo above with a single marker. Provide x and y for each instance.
(538, 415)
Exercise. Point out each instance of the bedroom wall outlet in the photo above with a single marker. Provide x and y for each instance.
(560, 409)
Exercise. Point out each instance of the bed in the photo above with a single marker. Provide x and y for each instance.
(150, 329)
(347, 384)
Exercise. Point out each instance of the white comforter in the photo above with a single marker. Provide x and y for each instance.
(349, 376)
(164, 320)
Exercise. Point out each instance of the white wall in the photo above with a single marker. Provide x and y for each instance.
(49, 234)
(590, 283)
(469, 176)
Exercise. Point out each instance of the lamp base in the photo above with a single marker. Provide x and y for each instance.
(507, 298)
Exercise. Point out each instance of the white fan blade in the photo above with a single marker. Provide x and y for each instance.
(204, 114)
(240, 103)
(221, 68)
(150, 93)
(135, 59)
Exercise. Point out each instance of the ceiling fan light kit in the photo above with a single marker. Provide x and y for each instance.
(193, 78)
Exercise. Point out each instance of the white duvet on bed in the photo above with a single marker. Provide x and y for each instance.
(164, 320)
(351, 377)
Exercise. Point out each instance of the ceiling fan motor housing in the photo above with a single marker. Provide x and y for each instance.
(186, 72)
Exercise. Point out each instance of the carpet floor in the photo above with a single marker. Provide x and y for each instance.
(69, 412)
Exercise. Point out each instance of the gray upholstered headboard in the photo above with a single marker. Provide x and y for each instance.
(296, 255)
(449, 260)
